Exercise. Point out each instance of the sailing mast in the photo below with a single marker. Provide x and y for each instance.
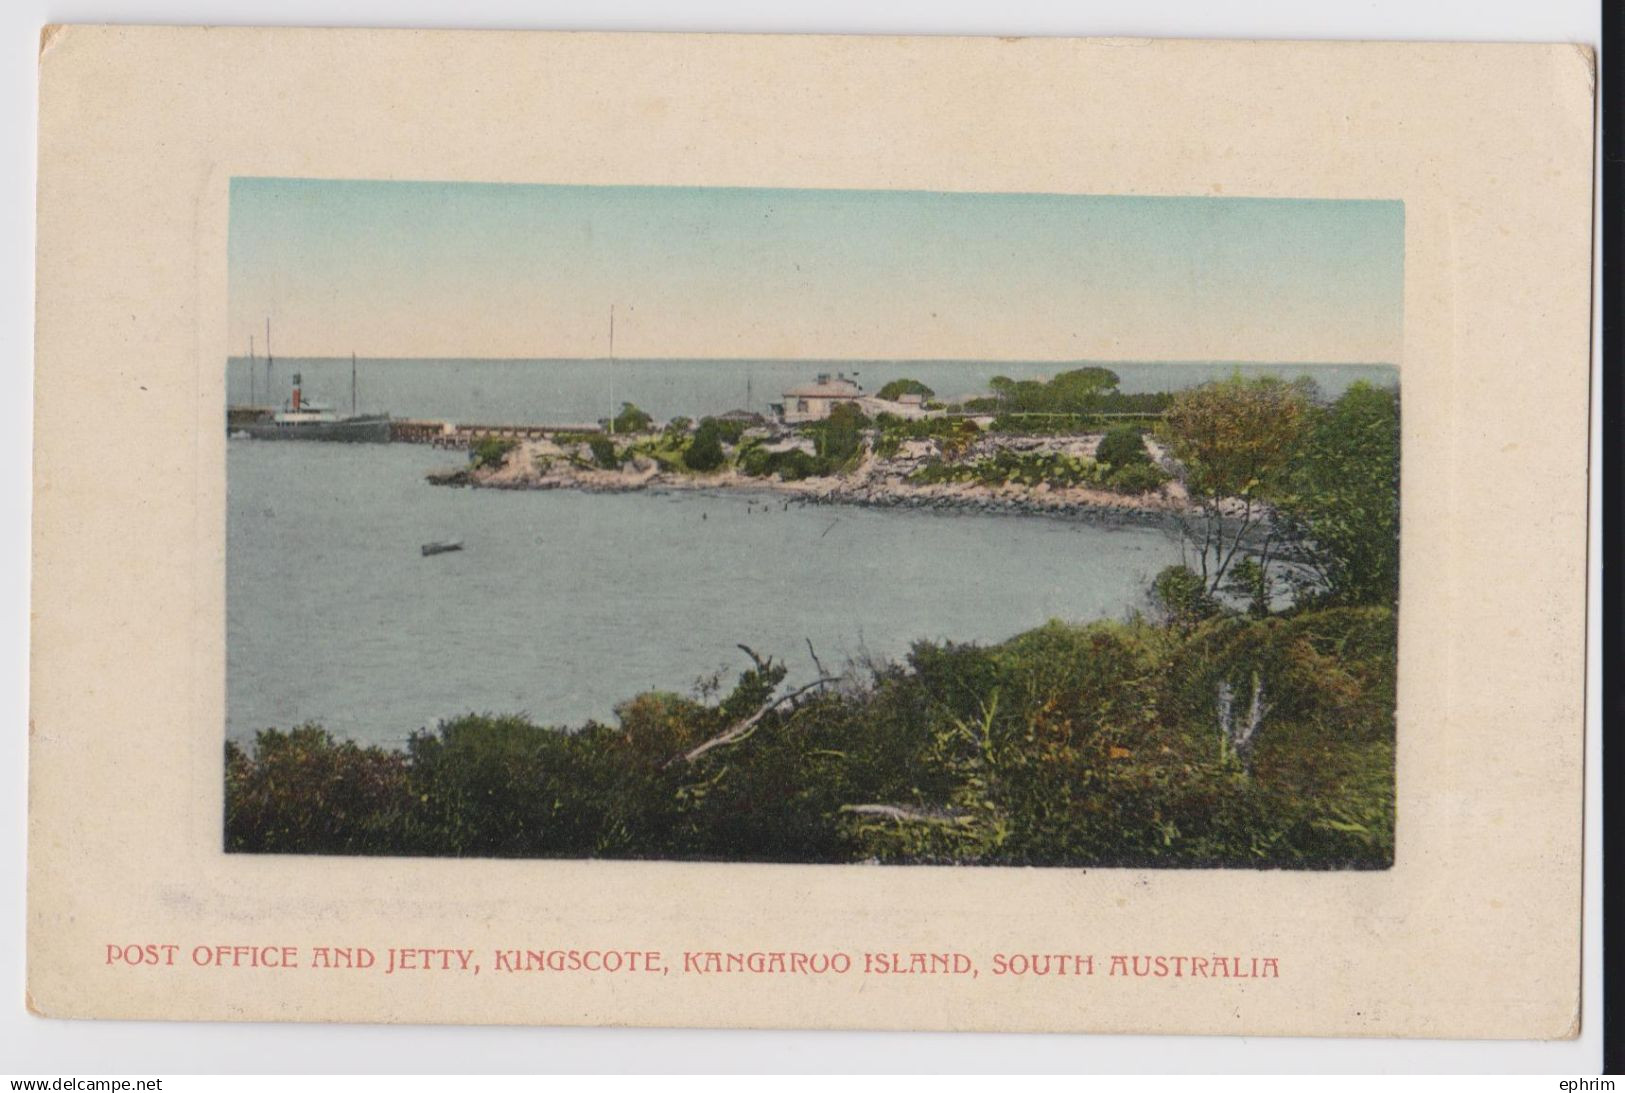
(268, 356)
(251, 363)
(612, 368)
(352, 383)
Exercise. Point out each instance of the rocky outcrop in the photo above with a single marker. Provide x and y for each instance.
(875, 483)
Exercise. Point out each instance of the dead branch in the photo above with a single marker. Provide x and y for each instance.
(904, 814)
(741, 729)
(816, 662)
(1242, 737)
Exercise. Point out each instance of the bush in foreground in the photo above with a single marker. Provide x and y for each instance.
(1111, 744)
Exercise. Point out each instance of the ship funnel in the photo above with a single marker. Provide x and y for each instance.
(296, 390)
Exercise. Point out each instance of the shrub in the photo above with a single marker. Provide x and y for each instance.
(705, 452)
(795, 464)
(1180, 593)
(1136, 478)
(839, 437)
(791, 465)
(603, 453)
(500, 786)
(632, 420)
(729, 432)
(896, 389)
(1122, 446)
(1057, 469)
(302, 792)
(491, 451)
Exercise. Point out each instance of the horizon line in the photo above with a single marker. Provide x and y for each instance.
(850, 360)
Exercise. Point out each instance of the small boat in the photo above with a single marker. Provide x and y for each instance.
(442, 547)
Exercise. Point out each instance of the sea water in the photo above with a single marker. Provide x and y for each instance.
(564, 603)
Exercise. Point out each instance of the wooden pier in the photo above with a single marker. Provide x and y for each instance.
(446, 434)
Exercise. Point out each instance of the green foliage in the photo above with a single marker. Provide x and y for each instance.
(1181, 595)
(1236, 440)
(491, 451)
(1266, 463)
(603, 453)
(789, 466)
(1251, 581)
(668, 449)
(1342, 504)
(302, 792)
(1058, 470)
(1079, 391)
(1005, 467)
(729, 431)
(1068, 403)
(705, 452)
(1236, 437)
(631, 420)
(1121, 447)
(838, 439)
(1092, 745)
(952, 434)
(896, 389)
(1136, 478)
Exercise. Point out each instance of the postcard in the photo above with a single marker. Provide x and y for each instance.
(744, 531)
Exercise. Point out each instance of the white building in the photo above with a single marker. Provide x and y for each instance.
(814, 401)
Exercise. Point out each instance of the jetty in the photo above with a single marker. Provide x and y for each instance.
(447, 434)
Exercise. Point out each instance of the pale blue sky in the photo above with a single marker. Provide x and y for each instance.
(408, 269)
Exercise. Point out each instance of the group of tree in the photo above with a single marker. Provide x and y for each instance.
(1282, 480)
(630, 419)
(897, 388)
(1079, 392)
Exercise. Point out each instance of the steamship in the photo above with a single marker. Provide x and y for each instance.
(301, 419)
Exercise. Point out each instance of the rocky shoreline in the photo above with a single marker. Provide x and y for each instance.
(875, 483)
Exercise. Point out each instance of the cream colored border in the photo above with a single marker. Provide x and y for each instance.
(1474, 932)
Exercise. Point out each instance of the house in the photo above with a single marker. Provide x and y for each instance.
(814, 401)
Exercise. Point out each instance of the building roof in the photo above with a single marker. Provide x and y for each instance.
(833, 389)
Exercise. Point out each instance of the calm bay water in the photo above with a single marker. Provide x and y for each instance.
(564, 603)
(558, 391)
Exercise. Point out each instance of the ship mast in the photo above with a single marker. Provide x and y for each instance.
(251, 363)
(352, 383)
(268, 356)
(612, 369)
